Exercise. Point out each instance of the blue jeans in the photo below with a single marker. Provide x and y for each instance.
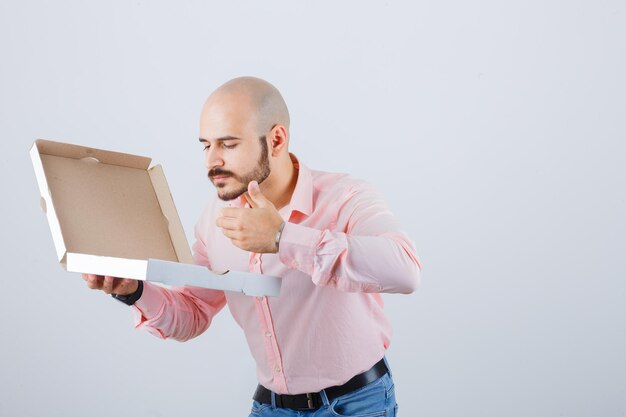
(376, 399)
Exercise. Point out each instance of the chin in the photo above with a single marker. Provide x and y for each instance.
(229, 195)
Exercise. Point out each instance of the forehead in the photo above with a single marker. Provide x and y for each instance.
(227, 117)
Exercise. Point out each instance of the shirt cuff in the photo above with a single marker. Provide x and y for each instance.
(149, 305)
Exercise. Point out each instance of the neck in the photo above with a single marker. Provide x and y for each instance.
(282, 182)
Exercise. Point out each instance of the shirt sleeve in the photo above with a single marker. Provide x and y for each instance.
(180, 313)
(370, 253)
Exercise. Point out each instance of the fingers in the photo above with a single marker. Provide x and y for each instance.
(231, 212)
(232, 234)
(250, 200)
(110, 285)
(231, 228)
(229, 223)
(93, 281)
(107, 284)
(256, 197)
(125, 286)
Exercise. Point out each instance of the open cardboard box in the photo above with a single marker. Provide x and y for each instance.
(110, 214)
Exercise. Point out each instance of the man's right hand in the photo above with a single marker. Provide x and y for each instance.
(111, 285)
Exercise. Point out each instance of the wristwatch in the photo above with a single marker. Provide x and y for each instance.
(130, 299)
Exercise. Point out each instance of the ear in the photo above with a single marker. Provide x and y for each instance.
(278, 140)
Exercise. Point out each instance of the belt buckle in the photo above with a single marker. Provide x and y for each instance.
(310, 402)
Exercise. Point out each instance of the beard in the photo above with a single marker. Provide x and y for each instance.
(258, 174)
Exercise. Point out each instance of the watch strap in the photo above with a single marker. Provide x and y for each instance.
(129, 299)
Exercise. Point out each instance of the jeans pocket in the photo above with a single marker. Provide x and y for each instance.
(368, 401)
(258, 407)
(390, 392)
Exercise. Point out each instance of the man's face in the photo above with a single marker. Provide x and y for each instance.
(231, 184)
(233, 151)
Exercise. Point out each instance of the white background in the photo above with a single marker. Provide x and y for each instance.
(496, 131)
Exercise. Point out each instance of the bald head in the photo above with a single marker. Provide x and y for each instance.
(244, 135)
(253, 99)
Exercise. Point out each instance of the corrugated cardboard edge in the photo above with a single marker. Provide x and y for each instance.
(106, 265)
(67, 150)
(46, 202)
(177, 274)
(175, 227)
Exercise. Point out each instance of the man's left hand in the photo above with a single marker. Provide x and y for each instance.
(252, 229)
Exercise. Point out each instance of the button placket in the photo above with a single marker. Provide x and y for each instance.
(251, 262)
(254, 263)
(274, 358)
(272, 343)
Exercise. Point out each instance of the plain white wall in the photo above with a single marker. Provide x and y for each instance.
(496, 130)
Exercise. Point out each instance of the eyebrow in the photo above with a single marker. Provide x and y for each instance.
(221, 139)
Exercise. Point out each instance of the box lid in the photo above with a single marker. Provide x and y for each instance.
(110, 214)
(108, 204)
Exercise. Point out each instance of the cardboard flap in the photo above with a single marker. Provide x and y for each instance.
(49, 147)
(46, 204)
(177, 274)
(104, 265)
(104, 209)
(175, 227)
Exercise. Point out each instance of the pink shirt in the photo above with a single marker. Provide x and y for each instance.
(340, 247)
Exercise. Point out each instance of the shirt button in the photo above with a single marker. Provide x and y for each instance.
(277, 369)
(256, 261)
(268, 334)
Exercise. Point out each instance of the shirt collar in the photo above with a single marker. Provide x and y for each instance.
(302, 197)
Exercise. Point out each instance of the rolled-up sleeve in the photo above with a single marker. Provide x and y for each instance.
(370, 253)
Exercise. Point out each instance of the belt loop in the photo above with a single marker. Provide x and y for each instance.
(324, 398)
(388, 367)
(273, 399)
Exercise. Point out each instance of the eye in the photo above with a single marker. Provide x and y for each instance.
(230, 146)
(205, 148)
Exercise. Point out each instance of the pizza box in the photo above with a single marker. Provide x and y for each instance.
(110, 213)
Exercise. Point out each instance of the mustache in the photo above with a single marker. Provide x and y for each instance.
(218, 171)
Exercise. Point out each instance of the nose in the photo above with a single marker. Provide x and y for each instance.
(213, 158)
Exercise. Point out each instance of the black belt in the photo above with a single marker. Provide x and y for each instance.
(313, 401)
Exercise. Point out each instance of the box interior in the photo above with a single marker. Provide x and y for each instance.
(105, 203)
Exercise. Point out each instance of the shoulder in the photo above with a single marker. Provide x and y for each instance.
(338, 184)
(343, 194)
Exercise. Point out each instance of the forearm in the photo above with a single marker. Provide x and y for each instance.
(176, 313)
(383, 263)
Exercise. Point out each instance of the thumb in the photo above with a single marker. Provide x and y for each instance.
(257, 197)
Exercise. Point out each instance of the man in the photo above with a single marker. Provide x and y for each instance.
(319, 347)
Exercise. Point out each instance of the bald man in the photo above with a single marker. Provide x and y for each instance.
(320, 346)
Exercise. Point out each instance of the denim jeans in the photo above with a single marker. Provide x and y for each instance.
(376, 399)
